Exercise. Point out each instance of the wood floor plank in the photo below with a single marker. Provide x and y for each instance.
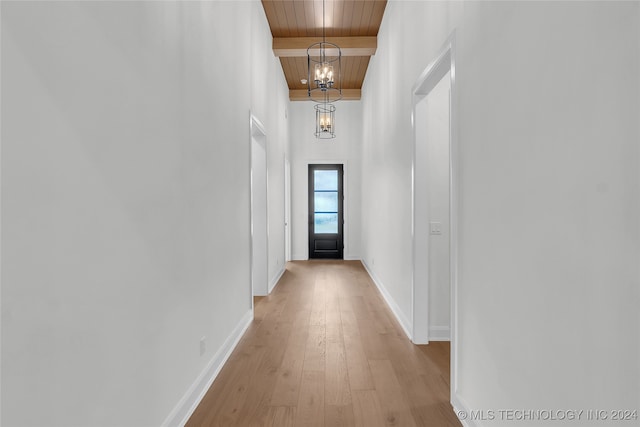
(255, 408)
(281, 416)
(436, 385)
(337, 388)
(366, 408)
(381, 321)
(310, 409)
(373, 342)
(339, 416)
(438, 352)
(418, 390)
(406, 358)
(360, 309)
(333, 331)
(357, 363)
(394, 405)
(348, 320)
(324, 350)
(435, 415)
(287, 387)
(318, 306)
(316, 349)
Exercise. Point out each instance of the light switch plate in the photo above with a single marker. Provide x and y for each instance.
(435, 227)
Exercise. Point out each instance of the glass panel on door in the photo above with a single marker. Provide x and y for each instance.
(325, 201)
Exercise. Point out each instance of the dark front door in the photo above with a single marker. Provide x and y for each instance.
(325, 211)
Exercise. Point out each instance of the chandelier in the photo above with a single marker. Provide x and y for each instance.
(323, 66)
(325, 120)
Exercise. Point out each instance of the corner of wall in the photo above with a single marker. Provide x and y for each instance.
(395, 308)
(275, 279)
(461, 409)
(189, 402)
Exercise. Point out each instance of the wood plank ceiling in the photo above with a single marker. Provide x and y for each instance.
(351, 24)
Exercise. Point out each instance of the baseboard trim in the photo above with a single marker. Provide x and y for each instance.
(439, 333)
(276, 279)
(462, 411)
(189, 402)
(352, 258)
(298, 257)
(395, 309)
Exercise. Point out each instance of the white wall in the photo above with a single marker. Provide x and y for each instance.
(410, 37)
(125, 204)
(549, 194)
(306, 149)
(270, 104)
(568, 144)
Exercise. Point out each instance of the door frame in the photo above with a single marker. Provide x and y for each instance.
(287, 209)
(345, 205)
(258, 136)
(311, 232)
(445, 61)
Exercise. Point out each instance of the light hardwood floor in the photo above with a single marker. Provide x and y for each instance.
(324, 350)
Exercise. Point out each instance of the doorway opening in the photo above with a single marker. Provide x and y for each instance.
(326, 211)
(287, 210)
(435, 206)
(432, 286)
(259, 220)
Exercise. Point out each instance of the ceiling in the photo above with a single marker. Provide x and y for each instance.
(351, 24)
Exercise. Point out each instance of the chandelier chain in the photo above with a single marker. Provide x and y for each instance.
(324, 37)
(323, 67)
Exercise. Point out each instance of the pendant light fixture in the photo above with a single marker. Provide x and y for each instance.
(325, 120)
(323, 66)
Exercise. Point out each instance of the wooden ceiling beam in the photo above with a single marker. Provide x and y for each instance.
(350, 46)
(303, 95)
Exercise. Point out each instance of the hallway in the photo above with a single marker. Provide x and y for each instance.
(324, 350)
